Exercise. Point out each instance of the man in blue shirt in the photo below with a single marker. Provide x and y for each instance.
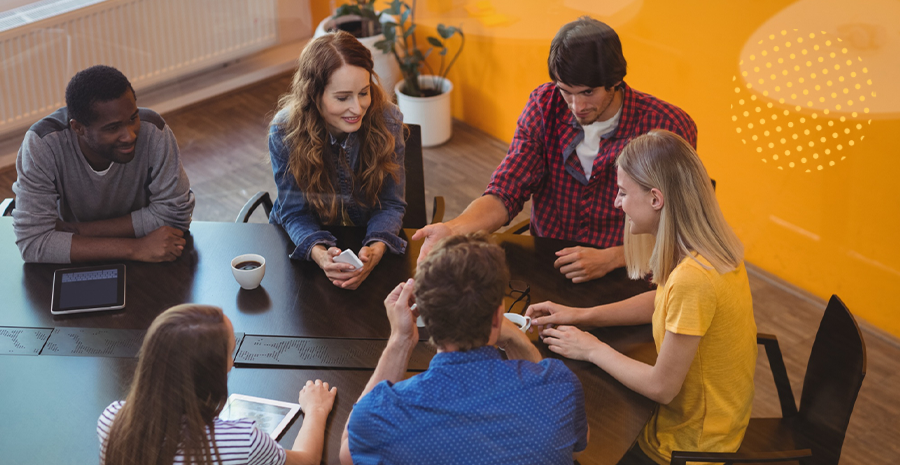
(470, 406)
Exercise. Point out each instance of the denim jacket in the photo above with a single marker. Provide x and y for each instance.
(294, 213)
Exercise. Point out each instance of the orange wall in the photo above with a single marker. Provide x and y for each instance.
(829, 230)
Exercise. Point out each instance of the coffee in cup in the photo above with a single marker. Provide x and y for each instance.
(248, 270)
(248, 265)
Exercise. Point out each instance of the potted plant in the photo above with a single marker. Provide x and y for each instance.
(360, 19)
(424, 99)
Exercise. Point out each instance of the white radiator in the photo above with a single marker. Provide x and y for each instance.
(151, 41)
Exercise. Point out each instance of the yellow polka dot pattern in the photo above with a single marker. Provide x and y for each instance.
(801, 102)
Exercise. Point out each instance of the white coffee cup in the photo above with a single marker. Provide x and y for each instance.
(248, 278)
(523, 322)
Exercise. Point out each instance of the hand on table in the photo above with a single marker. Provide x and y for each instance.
(553, 314)
(571, 342)
(432, 234)
(315, 397)
(162, 245)
(582, 264)
(401, 317)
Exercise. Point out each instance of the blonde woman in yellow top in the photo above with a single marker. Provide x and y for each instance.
(701, 312)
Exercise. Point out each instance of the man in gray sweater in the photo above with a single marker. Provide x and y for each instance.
(100, 179)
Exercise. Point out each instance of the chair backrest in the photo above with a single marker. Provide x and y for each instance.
(7, 206)
(837, 366)
(416, 216)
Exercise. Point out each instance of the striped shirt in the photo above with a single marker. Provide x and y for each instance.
(239, 442)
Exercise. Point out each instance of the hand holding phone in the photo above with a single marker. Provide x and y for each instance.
(350, 258)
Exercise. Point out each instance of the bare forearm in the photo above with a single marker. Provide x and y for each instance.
(307, 447)
(635, 375)
(521, 348)
(662, 381)
(86, 248)
(484, 213)
(392, 364)
(636, 310)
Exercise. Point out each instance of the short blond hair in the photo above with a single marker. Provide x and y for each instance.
(690, 220)
(459, 287)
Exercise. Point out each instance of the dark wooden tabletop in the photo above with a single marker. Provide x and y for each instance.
(51, 403)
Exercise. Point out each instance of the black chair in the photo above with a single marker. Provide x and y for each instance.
(525, 225)
(416, 216)
(260, 198)
(814, 434)
(7, 206)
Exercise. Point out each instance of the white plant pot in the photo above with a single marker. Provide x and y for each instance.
(432, 113)
(386, 66)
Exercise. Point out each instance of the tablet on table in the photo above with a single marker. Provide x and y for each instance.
(88, 289)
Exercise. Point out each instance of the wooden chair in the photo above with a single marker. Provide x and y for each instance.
(7, 206)
(416, 216)
(814, 434)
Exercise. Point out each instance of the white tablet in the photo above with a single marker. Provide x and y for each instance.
(88, 289)
(271, 416)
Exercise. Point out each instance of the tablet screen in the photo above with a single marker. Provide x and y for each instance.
(82, 289)
(271, 416)
(88, 289)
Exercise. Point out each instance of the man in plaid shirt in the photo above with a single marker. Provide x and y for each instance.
(563, 153)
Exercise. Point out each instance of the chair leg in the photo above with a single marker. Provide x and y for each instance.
(437, 212)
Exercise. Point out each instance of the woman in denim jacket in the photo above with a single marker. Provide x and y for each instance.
(337, 148)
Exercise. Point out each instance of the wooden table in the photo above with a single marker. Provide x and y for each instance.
(50, 404)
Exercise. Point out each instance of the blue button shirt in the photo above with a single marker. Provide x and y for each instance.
(292, 210)
(473, 407)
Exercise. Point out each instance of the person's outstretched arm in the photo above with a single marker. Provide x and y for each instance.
(635, 310)
(512, 183)
(316, 400)
(485, 213)
(395, 359)
(660, 382)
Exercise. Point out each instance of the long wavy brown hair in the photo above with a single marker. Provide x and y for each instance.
(179, 388)
(305, 133)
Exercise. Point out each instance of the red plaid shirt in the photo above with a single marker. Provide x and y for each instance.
(542, 163)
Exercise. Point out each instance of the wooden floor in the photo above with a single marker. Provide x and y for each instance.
(223, 147)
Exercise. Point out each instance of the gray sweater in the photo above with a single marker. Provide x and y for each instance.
(56, 182)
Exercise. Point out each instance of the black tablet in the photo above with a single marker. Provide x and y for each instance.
(88, 289)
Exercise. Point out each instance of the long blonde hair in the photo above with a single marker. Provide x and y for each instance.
(690, 219)
(180, 386)
(306, 135)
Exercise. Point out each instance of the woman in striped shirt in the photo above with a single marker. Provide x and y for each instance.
(180, 387)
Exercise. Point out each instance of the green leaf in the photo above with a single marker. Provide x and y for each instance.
(409, 31)
(390, 31)
(342, 11)
(447, 31)
(434, 41)
(443, 51)
(395, 8)
(405, 16)
(384, 45)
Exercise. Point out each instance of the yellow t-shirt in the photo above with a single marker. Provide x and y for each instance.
(712, 411)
